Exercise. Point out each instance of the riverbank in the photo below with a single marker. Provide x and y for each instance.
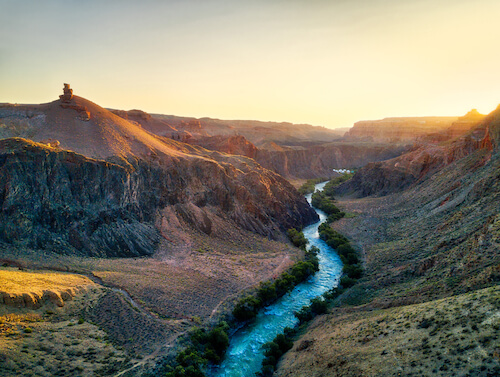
(245, 354)
(428, 303)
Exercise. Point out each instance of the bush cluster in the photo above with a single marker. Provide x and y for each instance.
(309, 186)
(325, 203)
(248, 307)
(329, 188)
(324, 200)
(352, 268)
(297, 238)
(206, 346)
(317, 306)
(273, 351)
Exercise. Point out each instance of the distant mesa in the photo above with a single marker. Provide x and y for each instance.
(465, 123)
(403, 129)
(67, 103)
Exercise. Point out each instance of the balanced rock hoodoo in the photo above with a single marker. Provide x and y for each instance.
(68, 103)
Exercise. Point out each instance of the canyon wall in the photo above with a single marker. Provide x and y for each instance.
(398, 129)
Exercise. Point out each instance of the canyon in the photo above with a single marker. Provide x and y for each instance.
(168, 220)
(426, 224)
(296, 152)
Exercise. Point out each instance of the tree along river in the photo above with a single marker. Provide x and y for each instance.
(245, 354)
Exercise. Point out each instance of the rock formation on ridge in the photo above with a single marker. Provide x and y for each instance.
(103, 190)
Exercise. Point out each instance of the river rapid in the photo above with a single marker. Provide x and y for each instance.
(245, 354)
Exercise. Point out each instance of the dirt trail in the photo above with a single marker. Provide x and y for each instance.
(167, 344)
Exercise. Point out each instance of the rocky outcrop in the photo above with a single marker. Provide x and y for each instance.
(67, 95)
(62, 201)
(68, 103)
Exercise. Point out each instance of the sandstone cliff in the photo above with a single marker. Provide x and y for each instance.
(291, 150)
(303, 162)
(257, 132)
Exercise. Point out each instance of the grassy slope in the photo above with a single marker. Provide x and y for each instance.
(456, 336)
(54, 340)
(434, 241)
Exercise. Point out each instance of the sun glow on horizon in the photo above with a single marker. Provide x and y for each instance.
(328, 63)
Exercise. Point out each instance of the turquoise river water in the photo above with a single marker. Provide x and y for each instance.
(245, 355)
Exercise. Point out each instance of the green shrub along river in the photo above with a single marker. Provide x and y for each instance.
(269, 317)
(246, 352)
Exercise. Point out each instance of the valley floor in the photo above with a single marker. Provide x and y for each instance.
(137, 307)
(429, 300)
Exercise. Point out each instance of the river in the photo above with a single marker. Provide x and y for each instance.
(245, 355)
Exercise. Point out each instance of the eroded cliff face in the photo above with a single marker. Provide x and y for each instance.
(431, 268)
(60, 200)
(257, 132)
(293, 151)
(318, 161)
(397, 174)
(398, 129)
(303, 162)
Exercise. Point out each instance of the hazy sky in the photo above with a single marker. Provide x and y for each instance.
(321, 62)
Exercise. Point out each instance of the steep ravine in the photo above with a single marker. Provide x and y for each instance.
(245, 354)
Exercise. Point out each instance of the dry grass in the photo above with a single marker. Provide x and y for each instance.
(22, 288)
(185, 284)
(56, 341)
(184, 280)
(457, 336)
(297, 182)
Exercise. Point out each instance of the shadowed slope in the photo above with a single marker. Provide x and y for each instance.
(151, 186)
